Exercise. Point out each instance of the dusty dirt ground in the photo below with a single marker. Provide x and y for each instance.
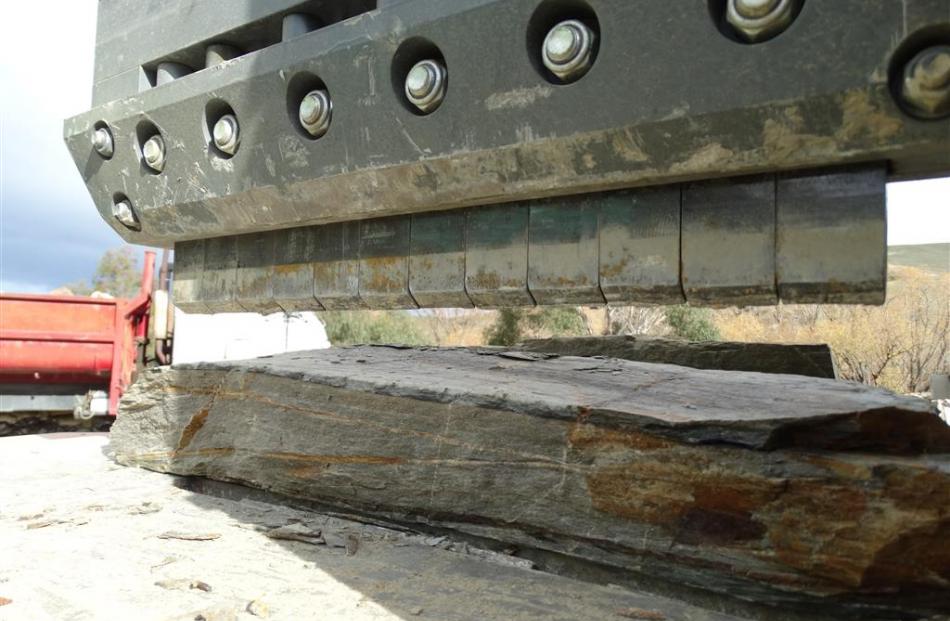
(83, 538)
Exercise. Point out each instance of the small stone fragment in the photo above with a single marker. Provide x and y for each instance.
(184, 584)
(216, 614)
(168, 560)
(643, 615)
(352, 545)
(415, 611)
(145, 508)
(332, 540)
(189, 536)
(297, 532)
(258, 608)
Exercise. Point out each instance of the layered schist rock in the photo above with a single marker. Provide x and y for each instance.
(793, 359)
(784, 490)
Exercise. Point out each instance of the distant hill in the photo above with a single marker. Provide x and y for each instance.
(928, 257)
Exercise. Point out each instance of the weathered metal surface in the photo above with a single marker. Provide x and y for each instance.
(219, 275)
(496, 257)
(726, 109)
(827, 497)
(437, 260)
(640, 246)
(254, 275)
(563, 251)
(384, 263)
(336, 269)
(820, 237)
(821, 220)
(728, 242)
(189, 266)
(293, 273)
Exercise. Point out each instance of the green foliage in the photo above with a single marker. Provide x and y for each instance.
(558, 321)
(360, 327)
(513, 325)
(692, 324)
(507, 329)
(117, 274)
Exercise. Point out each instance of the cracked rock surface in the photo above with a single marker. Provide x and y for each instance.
(794, 492)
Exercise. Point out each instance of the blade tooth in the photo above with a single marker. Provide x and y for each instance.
(186, 286)
(728, 242)
(253, 282)
(831, 237)
(496, 256)
(336, 267)
(218, 278)
(563, 251)
(293, 277)
(437, 260)
(384, 263)
(640, 246)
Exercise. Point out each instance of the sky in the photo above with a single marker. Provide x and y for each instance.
(50, 232)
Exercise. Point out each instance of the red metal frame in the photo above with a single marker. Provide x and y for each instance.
(57, 339)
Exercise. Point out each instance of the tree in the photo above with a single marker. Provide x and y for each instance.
(117, 274)
(507, 329)
(636, 320)
(513, 325)
(691, 323)
(898, 345)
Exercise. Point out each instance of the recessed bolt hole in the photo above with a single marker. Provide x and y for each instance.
(221, 128)
(563, 40)
(315, 111)
(153, 151)
(123, 211)
(754, 21)
(568, 50)
(426, 85)
(102, 142)
(420, 76)
(925, 88)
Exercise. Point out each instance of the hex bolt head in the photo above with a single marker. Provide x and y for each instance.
(227, 134)
(568, 50)
(759, 20)
(102, 142)
(153, 152)
(925, 88)
(314, 112)
(426, 85)
(123, 212)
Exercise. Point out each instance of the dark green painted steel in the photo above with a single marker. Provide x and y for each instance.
(669, 99)
(670, 103)
(728, 242)
(808, 237)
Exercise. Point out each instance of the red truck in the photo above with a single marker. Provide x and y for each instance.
(64, 353)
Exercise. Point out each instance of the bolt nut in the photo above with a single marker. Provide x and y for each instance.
(227, 134)
(123, 212)
(426, 85)
(926, 83)
(314, 112)
(759, 20)
(153, 152)
(568, 50)
(102, 142)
